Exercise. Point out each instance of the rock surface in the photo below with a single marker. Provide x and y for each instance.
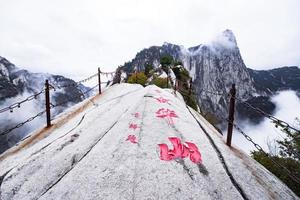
(87, 155)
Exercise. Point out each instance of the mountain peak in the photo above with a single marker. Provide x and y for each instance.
(229, 35)
(167, 44)
(225, 39)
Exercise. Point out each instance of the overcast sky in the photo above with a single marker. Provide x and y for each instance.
(74, 37)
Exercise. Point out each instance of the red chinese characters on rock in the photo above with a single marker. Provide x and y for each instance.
(162, 100)
(132, 139)
(166, 113)
(180, 151)
(136, 115)
(133, 126)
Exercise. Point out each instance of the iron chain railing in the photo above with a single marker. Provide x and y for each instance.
(259, 148)
(18, 104)
(70, 98)
(271, 117)
(50, 105)
(247, 137)
(22, 123)
(76, 83)
(108, 73)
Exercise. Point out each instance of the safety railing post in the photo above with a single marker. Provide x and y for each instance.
(231, 114)
(190, 89)
(47, 100)
(136, 76)
(99, 80)
(167, 77)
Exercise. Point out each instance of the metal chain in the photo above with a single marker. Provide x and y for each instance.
(92, 88)
(259, 148)
(271, 117)
(18, 104)
(22, 123)
(82, 81)
(87, 79)
(34, 96)
(76, 83)
(68, 99)
(258, 110)
(108, 72)
(37, 115)
(210, 92)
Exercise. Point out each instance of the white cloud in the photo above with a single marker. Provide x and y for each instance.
(74, 37)
(287, 109)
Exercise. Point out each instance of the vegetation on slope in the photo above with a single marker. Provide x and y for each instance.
(151, 76)
(138, 78)
(288, 156)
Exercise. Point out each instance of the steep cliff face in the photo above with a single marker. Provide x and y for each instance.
(214, 67)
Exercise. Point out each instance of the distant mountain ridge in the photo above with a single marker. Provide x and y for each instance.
(273, 80)
(215, 67)
(14, 81)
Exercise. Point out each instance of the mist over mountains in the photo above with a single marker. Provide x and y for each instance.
(16, 85)
(215, 67)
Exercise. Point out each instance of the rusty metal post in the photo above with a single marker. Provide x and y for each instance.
(47, 99)
(99, 79)
(136, 77)
(167, 77)
(231, 114)
(190, 90)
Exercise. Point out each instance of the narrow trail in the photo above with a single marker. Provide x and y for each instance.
(222, 160)
(91, 157)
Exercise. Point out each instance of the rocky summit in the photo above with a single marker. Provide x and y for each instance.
(214, 67)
